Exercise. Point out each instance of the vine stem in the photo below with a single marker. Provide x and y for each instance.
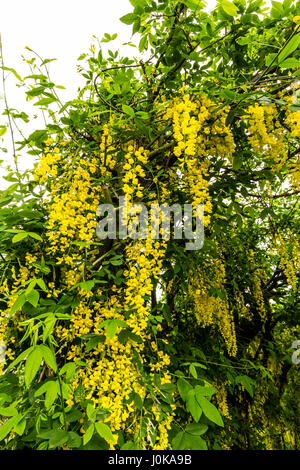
(62, 401)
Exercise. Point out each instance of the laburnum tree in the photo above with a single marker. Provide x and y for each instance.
(141, 343)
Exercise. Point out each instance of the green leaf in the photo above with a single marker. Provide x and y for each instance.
(6, 427)
(51, 393)
(91, 412)
(111, 326)
(35, 236)
(69, 369)
(129, 18)
(41, 390)
(194, 442)
(192, 406)
(31, 285)
(49, 357)
(8, 411)
(183, 387)
(143, 115)
(193, 5)
(185, 441)
(51, 389)
(20, 427)
(19, 237)
(143, 44)
(74, 441)
(2, 130)
(178, 443)
(129, 446)
(73, 415)
(205, 391)
(33, 297)
(289, 48)
(138, 401)
(48, 328)
(88, 434)
(20, 301)
(12, 71)
(193, 371)
(196, 429)
(243, 40)
(269, 59)
(290, 63)
(210, 410)
(59, 438)
(104, 431)
(128, 110)
(87, 285)
(32, 365)
(44, 101)
(229, 7)
(247, 382)
(20, 358)
(94, 341)
(237, 162)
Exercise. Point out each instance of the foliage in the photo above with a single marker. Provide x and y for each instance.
(142, 344)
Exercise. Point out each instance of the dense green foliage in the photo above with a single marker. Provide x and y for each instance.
(127, 344)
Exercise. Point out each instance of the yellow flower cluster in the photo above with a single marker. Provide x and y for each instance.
(107, 150)
(293, 120)
(48, 165)
(134, 159)
(211, 310)
(196, 141)
(269, 137)
(242, 309)
(72, 214)
(266, 132)
(145, 260)
(258, 277)
(199, 128)
(221, 399)
(289, 264)
(111, 375)
(10, 295)
(162, 440)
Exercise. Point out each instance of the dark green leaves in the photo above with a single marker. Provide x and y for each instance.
(190, 438)
(196, 401)
(184, 387)
(247, 382)
(56, 437)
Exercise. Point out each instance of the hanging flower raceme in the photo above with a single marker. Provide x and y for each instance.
(213, 309)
